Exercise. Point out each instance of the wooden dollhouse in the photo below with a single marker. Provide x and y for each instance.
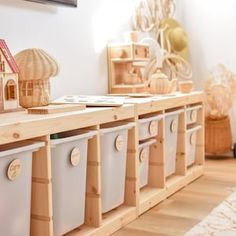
(9, 97)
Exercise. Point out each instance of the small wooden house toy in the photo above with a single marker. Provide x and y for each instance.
(9, 97)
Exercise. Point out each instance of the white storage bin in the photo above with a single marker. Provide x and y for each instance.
(113, 165)
(191, 114)
(69, 165)
(144, 161)
(15, 193)
(171, 134)
(191, 135)
(148, 127)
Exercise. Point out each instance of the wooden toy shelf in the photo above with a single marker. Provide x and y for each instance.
(22, 126)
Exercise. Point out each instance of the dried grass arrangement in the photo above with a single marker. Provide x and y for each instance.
(36, 67)
(220, 90)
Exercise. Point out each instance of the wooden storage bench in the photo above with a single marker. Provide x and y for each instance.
(22, 126)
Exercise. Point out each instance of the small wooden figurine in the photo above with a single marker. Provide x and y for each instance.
(9, 97)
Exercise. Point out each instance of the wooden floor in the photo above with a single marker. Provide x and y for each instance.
(183, 210)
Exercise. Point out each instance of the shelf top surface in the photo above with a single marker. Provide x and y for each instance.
(17, 126)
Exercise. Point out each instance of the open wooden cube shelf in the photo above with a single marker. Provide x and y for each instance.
(136, 201)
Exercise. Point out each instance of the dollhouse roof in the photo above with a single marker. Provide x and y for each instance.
(8, 56)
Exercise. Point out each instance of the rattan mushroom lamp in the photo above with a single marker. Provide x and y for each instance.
(36, 67)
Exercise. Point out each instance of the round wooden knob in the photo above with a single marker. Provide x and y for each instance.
(119, 143)
(193, 115)
(153, 127)
(143, 155)
(192, 139)
(173, 126)
(14, 169)
(75, 156)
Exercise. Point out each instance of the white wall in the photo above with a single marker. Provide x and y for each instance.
(211, 26)
(76, 37)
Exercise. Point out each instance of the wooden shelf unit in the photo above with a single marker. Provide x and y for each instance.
(22, 126)
(125, 64)
(159, 187)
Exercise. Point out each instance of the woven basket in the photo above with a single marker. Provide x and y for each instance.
(218, 136)
(34, 93)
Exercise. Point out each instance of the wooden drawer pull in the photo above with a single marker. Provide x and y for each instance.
(173, 126)
(193, 115)
(143, 155)
(14, 169)
(75, 156)
(192, 139)
(153, 127)
(119, 143)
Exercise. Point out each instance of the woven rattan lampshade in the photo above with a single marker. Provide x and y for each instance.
(35, 64)
(36, 67)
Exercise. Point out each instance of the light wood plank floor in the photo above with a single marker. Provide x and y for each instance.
(184, 209)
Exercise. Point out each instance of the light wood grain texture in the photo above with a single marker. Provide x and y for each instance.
(180, 212)
(40, 227)
(156, 160)
(181, 146)
(132, 173)
(41, 202)
(160, 103)
(25, 126)
(50, 109)
(93, 212)
(112, 221)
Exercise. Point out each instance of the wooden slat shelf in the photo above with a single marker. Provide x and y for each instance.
(20, 126)
(112, 221)
(149, 197)
(163, 102)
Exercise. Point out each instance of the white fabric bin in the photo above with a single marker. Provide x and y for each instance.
(191, 135)
(171, 135)
(148, 127)
(69, 165)
(113, 165)
(191, 114)
(15, 193)
(144, 150)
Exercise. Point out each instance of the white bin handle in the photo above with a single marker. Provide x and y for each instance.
(143, 149)
(194, 108)
(195, 128)
(117, 128)
(26, 146)
(148, 143)
(88, 135)
(153, 118)
(174, 112)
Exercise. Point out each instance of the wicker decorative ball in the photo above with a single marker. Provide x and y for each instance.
(36, 67)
